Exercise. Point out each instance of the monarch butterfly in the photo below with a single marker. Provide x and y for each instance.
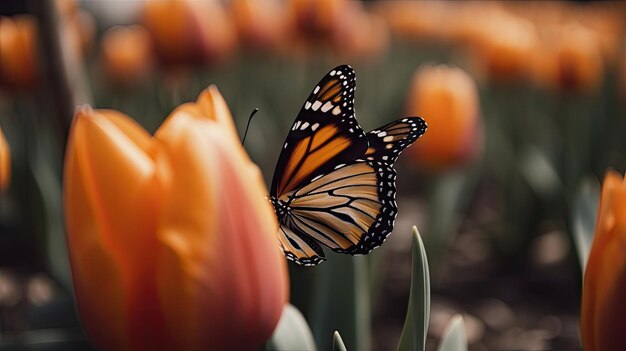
(334, 185)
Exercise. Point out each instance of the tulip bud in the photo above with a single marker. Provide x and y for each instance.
(172, 243)
(18, 51)
(5, 162)
(447, 98)
(571, 60)
(260, 23)
(604, 285)
(504, 43)
(127, 54)
(188, 31)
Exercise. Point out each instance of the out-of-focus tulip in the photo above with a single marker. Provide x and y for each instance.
(604, 286)
(342, 28)
(189, 31)
(365, 36)
(261, 23)
(127, 54)
(172, 243)
(570, 60)
(504, 45)
(5, 162)
(18, 51)
(447, 98)
(420, 20)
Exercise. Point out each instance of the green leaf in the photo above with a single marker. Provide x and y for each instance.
(341, 301)
(292, 333)
(454, 338)
(418, 313)
(540, 173)
(338, 342)
(584, 218)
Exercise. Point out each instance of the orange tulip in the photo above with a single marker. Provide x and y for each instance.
(604, 286)
(447, 98)
(504, 43)
(339, 27)
(420, 20)
(18, 51)
(172, 243)
(189, 31)
(127, 54)
(571, 60)
(261, 23)
(5, 162)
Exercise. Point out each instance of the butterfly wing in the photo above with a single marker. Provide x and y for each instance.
(324, 134)
(387, 142)
(352, 209)
(299, 248)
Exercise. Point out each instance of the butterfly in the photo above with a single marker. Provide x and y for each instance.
(334, 185)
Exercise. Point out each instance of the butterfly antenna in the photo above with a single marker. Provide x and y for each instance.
(248, 125)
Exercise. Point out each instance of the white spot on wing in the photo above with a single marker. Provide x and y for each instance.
(317, 88)
(315, 126)
(316, 105)
(382, 134)
(336, 110)
(327, 106)
(307, 105)
(304, 125)
(388, 138)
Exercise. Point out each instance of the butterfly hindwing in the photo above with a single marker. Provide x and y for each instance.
(300, 249)
(387, 142)
(324, 134)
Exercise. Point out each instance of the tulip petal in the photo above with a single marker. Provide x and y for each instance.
(220, 229)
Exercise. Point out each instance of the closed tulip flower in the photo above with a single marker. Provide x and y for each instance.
(447, 98)
(127, 54)
(172, 242)
(571, 60)
(604, 285)
(261, 24)
(188, 31)
(5, 162)
(18, 51)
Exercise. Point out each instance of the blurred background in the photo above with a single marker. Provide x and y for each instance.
(525, 106)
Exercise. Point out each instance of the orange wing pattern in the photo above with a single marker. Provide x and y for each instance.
(324, 134)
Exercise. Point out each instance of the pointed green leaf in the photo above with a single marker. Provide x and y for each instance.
(584, 218)
(418, 313)
(292, 333)
(338, 342)
(454, 338)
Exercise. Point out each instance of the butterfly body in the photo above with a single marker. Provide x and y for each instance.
(334, 185)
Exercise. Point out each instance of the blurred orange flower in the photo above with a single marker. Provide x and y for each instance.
(172, 243)
(19, 66)
(420, 20)
(570, 60)
(504, 44)
(604, 286)
(340, 27)
(5, 162)
(18, 51)
(127, 54)
(188, 31)
(447, 98)
(261, 23)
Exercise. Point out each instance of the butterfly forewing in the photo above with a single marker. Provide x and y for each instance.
(324, 134)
